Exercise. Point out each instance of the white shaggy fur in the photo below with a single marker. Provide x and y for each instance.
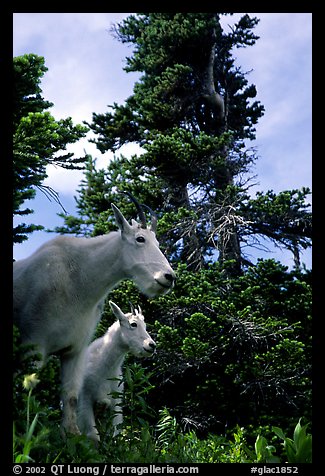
(59, 293)
(102, 380)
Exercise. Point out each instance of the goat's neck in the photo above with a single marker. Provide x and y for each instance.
(115, 349)
(103, 268)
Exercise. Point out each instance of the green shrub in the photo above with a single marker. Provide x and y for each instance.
(298, 449)
(233, 358)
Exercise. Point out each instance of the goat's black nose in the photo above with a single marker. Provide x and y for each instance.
(169, 277)
(152, 345)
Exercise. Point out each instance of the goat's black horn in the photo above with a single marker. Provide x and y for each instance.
(154, 218)
(132, 307)
(139, 208)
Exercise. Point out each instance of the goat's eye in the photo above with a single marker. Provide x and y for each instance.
(134, 324)
(140, 239)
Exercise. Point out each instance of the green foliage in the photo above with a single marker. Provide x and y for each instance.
(236, 350)
(298, 449)
(24, 444)
(137, 387)
(283, 218)
(181, 155)
(163, 442)
(146, 436)
(264, 451)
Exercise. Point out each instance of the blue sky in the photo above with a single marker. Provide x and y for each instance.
(85, 75)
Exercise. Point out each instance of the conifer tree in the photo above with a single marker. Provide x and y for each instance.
(189, 109)
(193, 111)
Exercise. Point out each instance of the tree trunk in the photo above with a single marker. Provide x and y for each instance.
(209, 93)
(192, 252)
(225, 224)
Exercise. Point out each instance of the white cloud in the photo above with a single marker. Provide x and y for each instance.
(84, 61)
(67, 181)
(281, 62)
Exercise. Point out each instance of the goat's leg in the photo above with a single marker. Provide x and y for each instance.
(71, 377)
(86, 418)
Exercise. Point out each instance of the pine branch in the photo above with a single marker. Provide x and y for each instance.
(49, 192)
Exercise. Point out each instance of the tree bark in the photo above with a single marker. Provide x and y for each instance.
(209, 93)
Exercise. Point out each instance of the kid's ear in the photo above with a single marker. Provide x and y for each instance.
(118, 313)
(120, 220)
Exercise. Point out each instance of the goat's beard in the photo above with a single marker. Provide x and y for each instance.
(151, 285)
(153, 289)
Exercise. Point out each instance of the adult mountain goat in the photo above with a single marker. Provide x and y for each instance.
(59, 292)
(102, 374)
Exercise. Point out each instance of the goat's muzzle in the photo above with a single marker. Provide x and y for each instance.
(151, 349)
(165, 280)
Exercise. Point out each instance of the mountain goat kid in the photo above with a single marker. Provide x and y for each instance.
(102, 375)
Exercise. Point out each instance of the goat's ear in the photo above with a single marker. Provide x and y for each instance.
(118, 313)
(120, 220)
